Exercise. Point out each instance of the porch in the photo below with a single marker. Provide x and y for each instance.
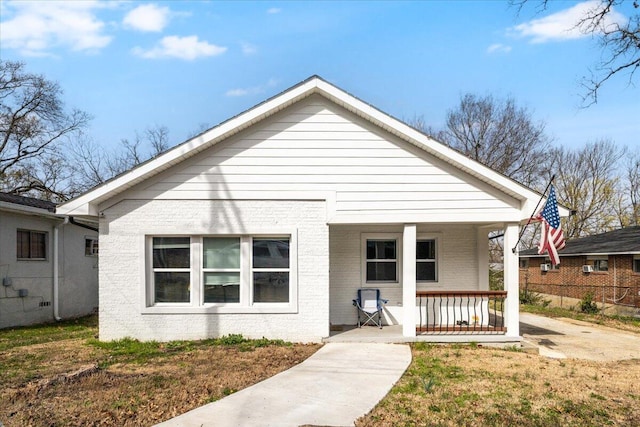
(454, 304)
(444, 317)
(392, 334)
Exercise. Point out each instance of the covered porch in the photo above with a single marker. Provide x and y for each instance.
(454, 304)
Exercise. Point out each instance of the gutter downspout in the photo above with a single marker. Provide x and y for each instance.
(56, 256)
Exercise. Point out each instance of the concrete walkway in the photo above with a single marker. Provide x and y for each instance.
(562, 338)
(335, 386)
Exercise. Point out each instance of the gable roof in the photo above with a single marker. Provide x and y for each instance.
(623, 241)
(27, 201)
(87, 203)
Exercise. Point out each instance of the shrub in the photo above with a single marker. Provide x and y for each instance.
(588, 305)
(532, 298)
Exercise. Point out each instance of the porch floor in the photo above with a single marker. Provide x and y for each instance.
(393, 334)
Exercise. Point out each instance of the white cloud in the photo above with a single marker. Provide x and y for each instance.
(563, 25)
(274, 10)
(254, 90)
(147, 17)
(498, 48)
(36, 28)
(188, 48)
(248, 48)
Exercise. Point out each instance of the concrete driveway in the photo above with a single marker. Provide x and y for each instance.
(568, 338)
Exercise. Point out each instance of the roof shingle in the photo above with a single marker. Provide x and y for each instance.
(27, 201)
(622, 241)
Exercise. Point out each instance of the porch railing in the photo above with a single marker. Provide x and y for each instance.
(461, 312)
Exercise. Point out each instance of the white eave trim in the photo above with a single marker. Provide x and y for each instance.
(29, 210)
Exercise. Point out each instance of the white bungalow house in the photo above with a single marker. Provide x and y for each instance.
(267, 224)
(48, 263)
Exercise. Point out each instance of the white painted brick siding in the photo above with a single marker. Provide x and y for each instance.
(122, 266)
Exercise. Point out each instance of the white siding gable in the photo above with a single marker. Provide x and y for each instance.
(316, 150)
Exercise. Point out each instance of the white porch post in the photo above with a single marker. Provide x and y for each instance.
(482, 246)
(409, 280)
(512, 308)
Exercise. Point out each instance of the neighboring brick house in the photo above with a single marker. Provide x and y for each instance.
(607, 265)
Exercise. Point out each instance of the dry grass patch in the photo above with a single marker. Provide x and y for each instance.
(134, 383)
(472, 386)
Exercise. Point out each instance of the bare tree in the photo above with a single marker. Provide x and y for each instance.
(587, 182)
(92, 164)
(632, 187)
(33, 124)
(499, 134)
(619, 42)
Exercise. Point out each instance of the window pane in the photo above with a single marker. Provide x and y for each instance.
(381, 249)
(38, 245)
(170, 252)
(22, 249)
(426, 249)
(90, 247)
(221, 252)
(222, 287)
(636, 265)
(381, 271)
(270, 253)
(271, 287)
(171, 286)
(601, 265)
(426, 271)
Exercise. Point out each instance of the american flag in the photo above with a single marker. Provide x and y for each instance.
(551, 237)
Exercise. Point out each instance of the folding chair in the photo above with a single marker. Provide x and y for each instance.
(369, 304)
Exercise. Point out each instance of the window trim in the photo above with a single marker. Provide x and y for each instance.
(46, 245)
(196, 306)
(364, 261)
(436, 240)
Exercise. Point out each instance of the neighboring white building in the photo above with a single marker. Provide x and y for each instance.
(34, 288)
(267, 224)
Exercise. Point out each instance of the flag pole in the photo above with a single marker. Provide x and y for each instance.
(515, 248)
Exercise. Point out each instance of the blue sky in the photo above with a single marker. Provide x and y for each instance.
(183, 64)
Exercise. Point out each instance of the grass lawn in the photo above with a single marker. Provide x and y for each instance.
(61, 375)
(468, 385)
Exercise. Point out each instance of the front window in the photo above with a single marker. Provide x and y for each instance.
(382, 261)
(524, 262)
(172, 269)
(221, 273)
(270, 270)
(636, 264)
(221, 269)
(426, 261)
(31, 245)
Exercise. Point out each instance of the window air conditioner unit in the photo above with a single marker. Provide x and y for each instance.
(545, 267)
(587, 268)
